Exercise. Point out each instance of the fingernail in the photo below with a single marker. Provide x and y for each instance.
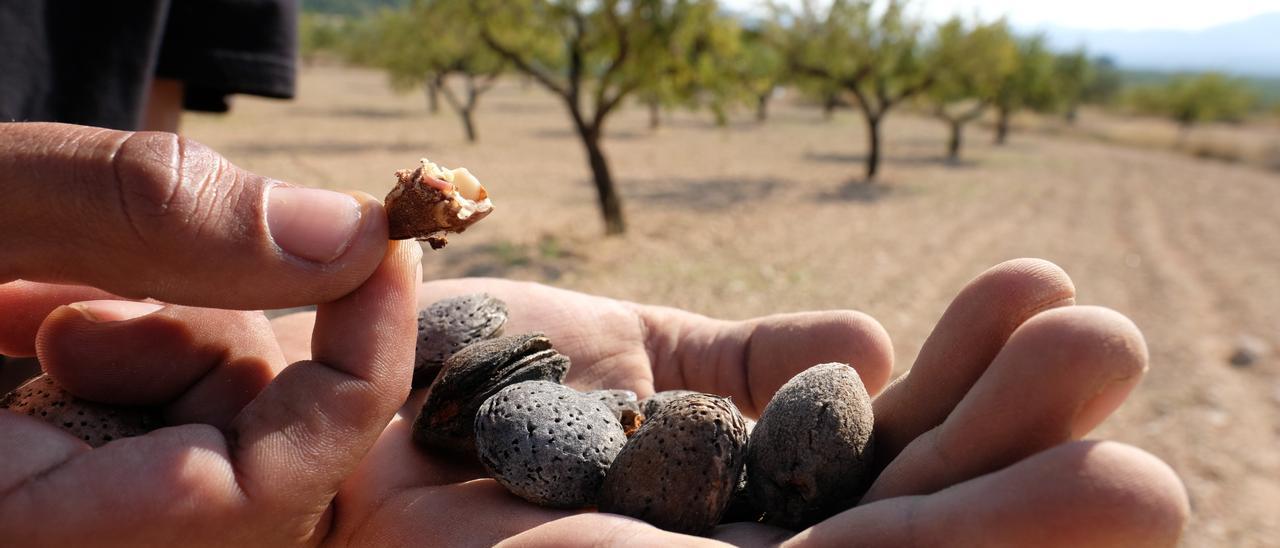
(114, 311)
(317, 225)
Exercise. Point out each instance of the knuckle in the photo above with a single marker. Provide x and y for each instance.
(169, 183)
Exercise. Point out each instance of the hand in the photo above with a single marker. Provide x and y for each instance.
(979, 444)
(252, 460)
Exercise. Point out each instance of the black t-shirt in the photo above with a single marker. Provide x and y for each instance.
(91, 62)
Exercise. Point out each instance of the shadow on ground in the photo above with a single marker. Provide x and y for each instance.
(547, 259)
(366, 113)
(700, 195)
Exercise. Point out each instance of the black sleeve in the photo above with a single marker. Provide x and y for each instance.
(77, 61)
(223, 47)
(92, 62)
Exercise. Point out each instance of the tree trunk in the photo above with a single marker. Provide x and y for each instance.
(433, 94)
(468, 110)
(873, 155)
(655, 115)
(953, 144)
(829, 106)
(610, 202)
(721, 117)
(468, 123)
(1002, 125)
(762, 106)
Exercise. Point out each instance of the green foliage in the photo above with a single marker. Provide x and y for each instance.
(350, 7)
(321, 34)
(872, 52)
(759, 67)
(426, 40)
(594, 54)
(1106, 83)
(878, 58)
(1192, 99)
(970, 63)
(695, 64)
(1032, 83)
(1072, 75)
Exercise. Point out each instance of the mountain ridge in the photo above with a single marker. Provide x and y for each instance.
(1248, 47)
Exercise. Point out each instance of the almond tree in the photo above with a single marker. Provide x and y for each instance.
(430, 43)
(969, 63)
(1031, 85)
(874, 55)
(592, 55)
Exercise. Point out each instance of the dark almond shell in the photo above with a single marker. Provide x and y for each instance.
(548, 443)
(680, 469)
(95, 423)
(652, 404)
(478, 371)
(451, 324)
(618, 401)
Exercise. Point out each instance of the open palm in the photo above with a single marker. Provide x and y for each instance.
(979, 443)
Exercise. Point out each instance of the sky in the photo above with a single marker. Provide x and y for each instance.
(1091, 14)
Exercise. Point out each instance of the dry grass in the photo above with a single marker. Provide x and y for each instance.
(760, 219)
(1256, 143)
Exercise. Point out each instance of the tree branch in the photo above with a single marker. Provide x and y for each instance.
(523, 64)
(620, 56)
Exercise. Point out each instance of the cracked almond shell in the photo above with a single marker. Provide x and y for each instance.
(430, 201)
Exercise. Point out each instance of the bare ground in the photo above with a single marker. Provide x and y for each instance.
(753, 220)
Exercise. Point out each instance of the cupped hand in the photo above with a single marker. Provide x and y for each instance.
(979, 444)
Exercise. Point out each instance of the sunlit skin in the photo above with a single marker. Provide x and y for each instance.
(979, 443)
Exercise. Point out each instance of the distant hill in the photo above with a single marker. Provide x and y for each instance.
(348, 7)
(1247, 47)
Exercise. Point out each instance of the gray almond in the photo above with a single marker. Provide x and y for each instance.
(680, 469)
(618, 401)
(449, 325)
(548, 443)
(95, 423)
(811, 450)
(447, 418)
(652, 404)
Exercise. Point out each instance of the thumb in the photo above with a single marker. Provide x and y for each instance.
(157, 215)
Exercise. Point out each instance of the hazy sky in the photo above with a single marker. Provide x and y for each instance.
(1093, 14)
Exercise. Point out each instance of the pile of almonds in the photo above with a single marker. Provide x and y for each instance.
(683, 461)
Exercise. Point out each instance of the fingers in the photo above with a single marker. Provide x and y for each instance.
(131, 213)
(750, 360)
(25, 305)
(310, 427)
(32, 448)
(969, 335)
(202, 365)
(1077, 494)
(1061, 374)
(165, 488)
(602, 530)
